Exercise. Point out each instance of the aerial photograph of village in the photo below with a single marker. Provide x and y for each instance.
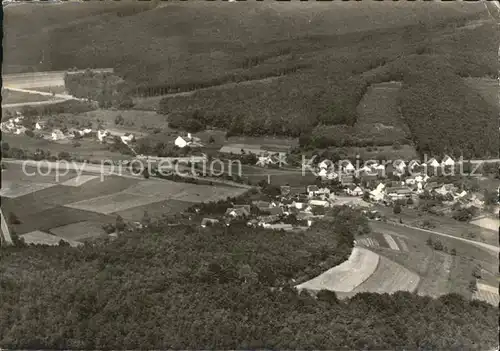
(250, 175)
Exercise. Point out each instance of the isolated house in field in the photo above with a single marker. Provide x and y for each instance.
(180, 142)
(127, 138)
(102, 134)
(447, 161)
(38, 126)
(208, 222)
(57, 134)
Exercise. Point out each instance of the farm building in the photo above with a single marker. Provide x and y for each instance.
(237, 212)
(57, 134)
(189, 140)
(398, 193)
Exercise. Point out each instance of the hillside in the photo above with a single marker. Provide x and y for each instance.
(312, 64)
(188, 288)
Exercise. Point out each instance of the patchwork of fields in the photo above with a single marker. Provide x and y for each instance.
(76, 208)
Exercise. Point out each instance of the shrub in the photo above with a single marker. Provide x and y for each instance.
(13, 219)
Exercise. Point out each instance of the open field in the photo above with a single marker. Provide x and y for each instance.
(112, 203)
(389, 277)
(486, 87)
(17, 97)
(79, 180)
(487, 293)
(443, 224)
(62, 195)
(348, 275)
(57, 216)
(488, 223)
(39, 237)
(79, 231)
(13, 190)
(154, 210)
(435, 283)
(379, 112)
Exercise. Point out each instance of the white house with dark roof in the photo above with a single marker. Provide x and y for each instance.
(447, 161)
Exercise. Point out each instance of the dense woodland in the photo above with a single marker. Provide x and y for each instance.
(309, 69)
(186, 287)
(107, 89)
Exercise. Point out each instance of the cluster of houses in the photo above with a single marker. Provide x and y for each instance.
(286, 212)
(14, 125)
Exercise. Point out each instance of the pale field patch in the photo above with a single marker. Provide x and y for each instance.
(487, 223)
(391, 242)
(348, 275)
(13, 190)
(163, 188)
(42, 238)
(206, 193)
(114, 202)
(79, 180)
(79, 231)
(487, 293)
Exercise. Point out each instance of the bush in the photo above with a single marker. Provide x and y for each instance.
(64, 155)
(397, 208)
(13, 219)
(29, 133)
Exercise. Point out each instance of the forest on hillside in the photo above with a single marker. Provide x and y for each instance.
(185, 287)
(301, 71)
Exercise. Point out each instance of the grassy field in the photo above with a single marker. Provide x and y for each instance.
(389, 277)
(79, 231)
(486, 87)
(17, 97)
(154, 210)
(379, 112)
(53, 217)
(443, 224)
